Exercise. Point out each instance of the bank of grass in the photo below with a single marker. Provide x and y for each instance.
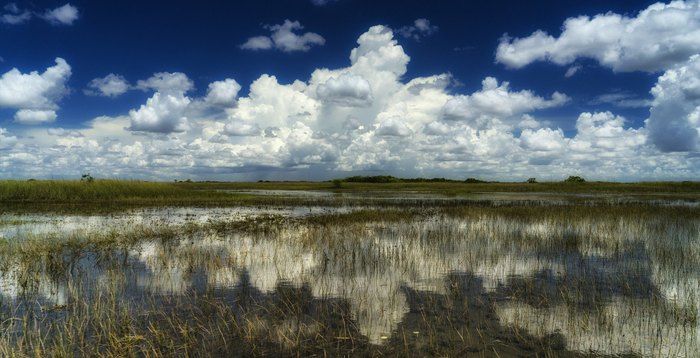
(125, 190)
(460, 188)
(105, 195)
(80, 191)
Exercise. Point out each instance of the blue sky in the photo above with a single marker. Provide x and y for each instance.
(303, 89)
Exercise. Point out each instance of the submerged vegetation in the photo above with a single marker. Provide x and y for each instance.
(256, 274)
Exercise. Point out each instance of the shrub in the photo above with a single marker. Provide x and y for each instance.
(87, 178)
(532, 180)
(574, 179)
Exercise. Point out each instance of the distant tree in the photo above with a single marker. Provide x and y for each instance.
(337, 183)
(87, 178)
(532, 180)
(473, 181)
(574, 179)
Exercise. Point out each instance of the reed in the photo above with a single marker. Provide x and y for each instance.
(431, 278)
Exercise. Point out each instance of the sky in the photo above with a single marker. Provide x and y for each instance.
(321, 89)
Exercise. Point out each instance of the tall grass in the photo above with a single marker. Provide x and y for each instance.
(472, 278)
(82, 191)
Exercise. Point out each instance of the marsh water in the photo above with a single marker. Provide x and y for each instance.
(439, 282)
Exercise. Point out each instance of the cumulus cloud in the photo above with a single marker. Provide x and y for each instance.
(166, 111)
(162, 113)
(379, 51)
(284, 38)
(393, 127)
(166, 82)
(64, 15)
(109, 86)
(674, 120)
(34, 116)
(34, 90)
(411, 127)
(222, 93)
(657, 38)
(606, 131)
(349, 90)
(543, 139)
(271, 104)
(34, 95)
(420, 29)
(6, 140)
(242, 129)
(496, 102)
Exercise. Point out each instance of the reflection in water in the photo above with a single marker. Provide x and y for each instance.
(604, 285)
(32, 225)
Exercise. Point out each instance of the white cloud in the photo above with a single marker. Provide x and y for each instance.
(529, 122)
(242, 129)
(166, 111)
(60, 132)
(291, 130)
(606, 131)
(378, 51)
(258, 43)
(35, 116)
(420, 29)
(6, 140)
(162, 113)
(34, 95)
(64, 15)
(222, 93)
(436, 128)
(346, 90)
(543, 139)
(393, 127)
(674, 120)
(109, 86)
(34, 90)
(284, 38)
(166, 82)
(271, 104)
(496, 102)
(657, 38)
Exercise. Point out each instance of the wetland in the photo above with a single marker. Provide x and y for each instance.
(115, 268)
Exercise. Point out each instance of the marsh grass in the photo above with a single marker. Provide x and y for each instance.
(106, 195)
(468, 278)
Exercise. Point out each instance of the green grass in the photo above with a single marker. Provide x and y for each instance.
(104, 190)
(103, 196)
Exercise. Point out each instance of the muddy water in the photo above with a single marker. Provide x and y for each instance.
(615, 286)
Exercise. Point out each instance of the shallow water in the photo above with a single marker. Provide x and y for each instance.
(610, 286)
(14, 226)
